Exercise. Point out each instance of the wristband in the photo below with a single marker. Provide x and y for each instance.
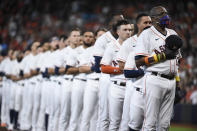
(57, 70)
(146, 61)
(155, 58)
(164, 55)
(177, 78)
(37, 69)
(66, 68)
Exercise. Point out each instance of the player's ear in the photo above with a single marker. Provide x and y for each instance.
(118, 31)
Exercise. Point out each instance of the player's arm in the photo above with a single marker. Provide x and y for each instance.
(35, 72)
(130, 70)
(106, 62)
(96, 66)
(108, 69)
(121, 65)
(71, 70)
(133, 73)
(85, 69)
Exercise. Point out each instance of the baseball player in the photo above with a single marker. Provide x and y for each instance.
(104, 81)
(38, 84)
(143, 21)
(6, 67)
(90, 100)
(30, 82)
(16, 91)
(3, 105)
(68, 68)
(118, 82)
(159, 80)
(79, 84)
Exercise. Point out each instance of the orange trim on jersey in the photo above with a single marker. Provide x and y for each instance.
(129, 68)
(98, 55)
(134, 39)
(145, 106)
(119, 59)
(113, 41)
(142, 54)
(110, 70)
(157, 34)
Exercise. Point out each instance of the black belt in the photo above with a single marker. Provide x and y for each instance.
(96, 79)
(57, 82)
(119, 83)
(80, 79)
(71, 79)
(169, 77)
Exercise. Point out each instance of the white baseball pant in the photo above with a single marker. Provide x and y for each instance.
(65, 105)
(103, 110)
(76, 103)
(4, 104)
(136, 109)
(116, 100)
(56, 104)
(159, 100)
(90, 102)
(126, 106)
(36, 104)
(43, 103)
(26, 113)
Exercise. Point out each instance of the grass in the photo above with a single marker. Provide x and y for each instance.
(178, 128)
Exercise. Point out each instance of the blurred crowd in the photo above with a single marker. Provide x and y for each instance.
(24, 21)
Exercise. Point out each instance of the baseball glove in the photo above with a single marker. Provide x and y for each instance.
(179, 95)
(172, 45)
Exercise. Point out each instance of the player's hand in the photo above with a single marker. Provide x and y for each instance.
(170, 54)
(179, 95)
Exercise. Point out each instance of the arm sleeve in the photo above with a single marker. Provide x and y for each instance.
(99, 46)
(124, 50)
(72, 60)
(107, 57)
(142, 44)
(130, 70)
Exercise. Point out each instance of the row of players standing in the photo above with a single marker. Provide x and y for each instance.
(64, 90)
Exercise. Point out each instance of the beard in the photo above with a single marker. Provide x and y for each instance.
(87, 44)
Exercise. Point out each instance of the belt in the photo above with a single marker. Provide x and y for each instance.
(138, 89)
(33, 83)
(57, 82)
(69, 79)
(119, 83)
(169, 77)
(80, 79)
(96, 79)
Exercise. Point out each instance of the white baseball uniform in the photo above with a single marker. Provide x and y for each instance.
(77, 93)
(117, 86)
(90, 100)
(7, 85)
(37, 93)
(30, 83)
(4, 106)
(159, 91)
(15, 95)
(70, 60)
(127, 47)
(104, 82)
(136, 113)
(40, 125)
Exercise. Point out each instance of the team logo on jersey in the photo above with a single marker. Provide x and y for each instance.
(161, 49)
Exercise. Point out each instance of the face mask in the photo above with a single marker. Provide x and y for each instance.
(164, 21)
